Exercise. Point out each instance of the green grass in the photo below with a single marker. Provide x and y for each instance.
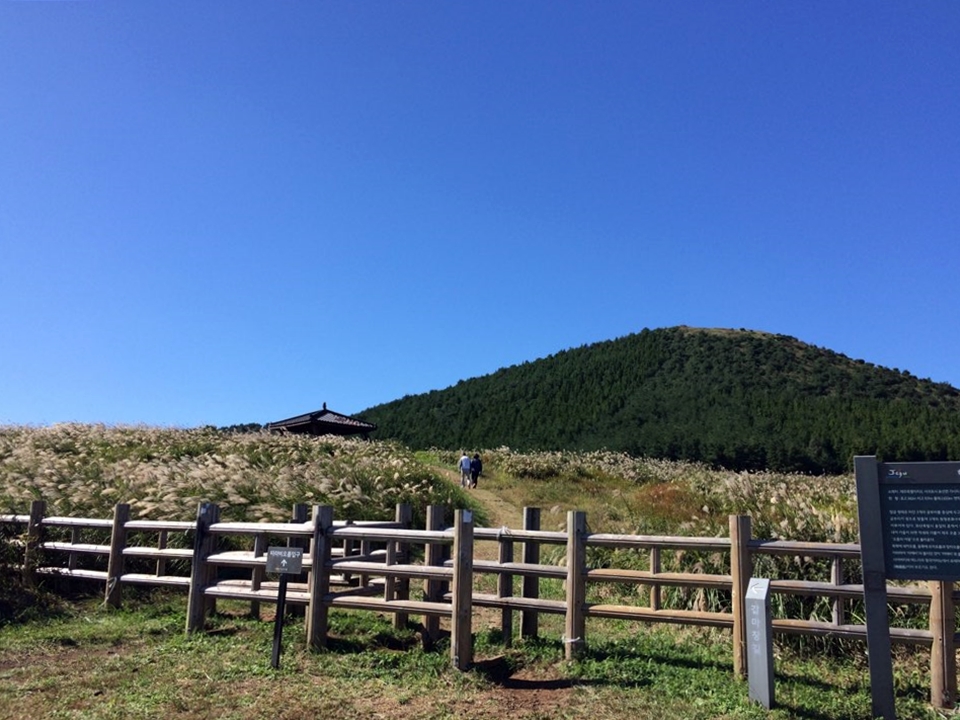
(138, 663)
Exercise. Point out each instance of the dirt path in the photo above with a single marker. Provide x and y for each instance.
(500, 513)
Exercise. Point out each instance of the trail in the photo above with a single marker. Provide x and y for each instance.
(499, 512)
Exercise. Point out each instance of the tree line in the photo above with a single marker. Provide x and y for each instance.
(731, 398)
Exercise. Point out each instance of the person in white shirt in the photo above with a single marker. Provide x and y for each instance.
(465, 470)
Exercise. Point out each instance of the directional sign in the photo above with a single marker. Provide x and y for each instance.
(284, 560)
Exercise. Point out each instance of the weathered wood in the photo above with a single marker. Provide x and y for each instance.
(461, 643)
(655, 596)
(679, 617)
(75, 535)
(118, 540)
(943, 654)
(575, 626)
(258, 574)
(741, 568)
(530, 587)
(505, 588)
(161, 567)
(75, 548)
(319, 577)
(403, 517)
(838, 614)
(201, 572)
(60, 521)
(433, 589)
(644, 577)
(151, 579)
(667, 542)
(31, 550)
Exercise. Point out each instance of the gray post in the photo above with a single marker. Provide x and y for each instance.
(874, 587)
(759, 641)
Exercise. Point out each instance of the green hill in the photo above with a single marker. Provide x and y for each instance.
(733, 398)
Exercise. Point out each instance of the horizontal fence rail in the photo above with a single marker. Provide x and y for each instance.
(371, 565)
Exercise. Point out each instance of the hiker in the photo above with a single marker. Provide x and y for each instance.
(464, 470)
(476, 467)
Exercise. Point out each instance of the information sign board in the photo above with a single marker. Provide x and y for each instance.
(920, 518)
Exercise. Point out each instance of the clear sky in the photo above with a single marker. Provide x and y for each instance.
(217, 212)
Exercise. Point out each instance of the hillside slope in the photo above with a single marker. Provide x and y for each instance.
(734, 398)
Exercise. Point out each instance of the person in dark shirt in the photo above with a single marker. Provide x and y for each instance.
(476, 467)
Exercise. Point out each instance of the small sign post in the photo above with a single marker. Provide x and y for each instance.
(285, 561)
(759, 642)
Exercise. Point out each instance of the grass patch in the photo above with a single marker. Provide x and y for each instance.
(138, 663)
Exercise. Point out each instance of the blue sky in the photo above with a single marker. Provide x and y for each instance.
(226, 212)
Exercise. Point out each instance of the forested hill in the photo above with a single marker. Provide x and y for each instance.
(734, 398)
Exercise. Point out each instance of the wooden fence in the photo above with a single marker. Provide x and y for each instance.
(370, 566)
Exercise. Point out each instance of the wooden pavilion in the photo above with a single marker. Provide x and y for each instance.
(322, 422)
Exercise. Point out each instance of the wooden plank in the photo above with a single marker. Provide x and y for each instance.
(33, 543)
(319, 578)
(504, 588)
(741, 569)
(530, 554)
(575, 625)
(157, 553)
(531, 533)
(376, 604)
(433, 589)
(643, 542)
(943, 656)
(461, 640)
(252, 528)
(150, 579)
(57, 521)
(15, 519)
(201, 572)
(683, 617)
(406, 571)
(401, 554)
(806, 549)
(238, 592)
(85, 548)
(722, 582)
(99, 575)
(159, 525)
(523, 569)
(555, 607)
(118, 540)
(417, 537)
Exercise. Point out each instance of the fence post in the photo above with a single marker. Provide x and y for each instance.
(300, 513)
(401, 586)
(161, 567)
(75, 537)
(741, 568)
(943, 655)
(319, 576)
(259, 573)
(655, 596)
(836, 577)
(118, 541)
(31, 550)
(201, 573)
(461, 642)
(575, 626)
(505, 589)
(433, 589)
(530, 619)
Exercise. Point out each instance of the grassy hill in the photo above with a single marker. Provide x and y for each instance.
(733, 398)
